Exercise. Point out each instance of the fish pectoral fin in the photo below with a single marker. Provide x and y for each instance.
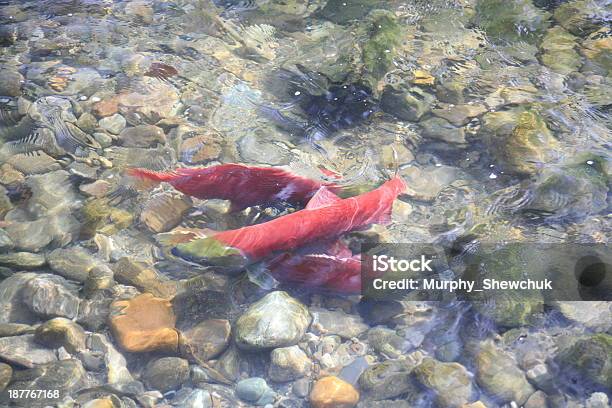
(322, 198)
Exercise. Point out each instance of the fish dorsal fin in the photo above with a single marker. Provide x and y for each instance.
(322, 198)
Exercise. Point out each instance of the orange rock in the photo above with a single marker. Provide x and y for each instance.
(476, 404)
(106, 107)
(332, 392)
(144, 323)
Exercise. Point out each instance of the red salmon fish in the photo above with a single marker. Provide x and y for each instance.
(244, 186)
(325, 217)
(331, 266)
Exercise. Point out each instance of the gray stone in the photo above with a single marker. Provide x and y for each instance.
(47, 295)
(72, 263)
(6, 373)
(206, 340)
(23, 351)
(596, 400)
(537, 400)
(116, 365)
(337, 322)
(276, 320)
(255, 390)
(12, 307)
(66, 376)
(166, 373)
(198, 399)
(288, 363)
(87, 122)
(594, 315)
(406, 104)
(10, 82)
(22, 260)
(142, 136)
(451, 382)
(104, 139)
(498, 373)
(388, 342)
(113, 124)
(15, 329)
(441, 129)
(389, 379)
(425, 184)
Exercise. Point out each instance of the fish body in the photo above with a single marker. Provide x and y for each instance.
(331, 266)
(325, 217)
(244, 186)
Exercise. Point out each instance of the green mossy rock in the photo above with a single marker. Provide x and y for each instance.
(511, 20)
(591, 357)
(558, 51)
(519, 138)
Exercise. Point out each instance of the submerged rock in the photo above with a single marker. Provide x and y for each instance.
(66, 376)
(288, 363)
(512, 20)
(205, 340)
(379, 51)
(558, 51)
(61, 332)
(24, 351)
(6, 372)
(255, 390)
(332, 392)
(389, 379)
(451, 382)
(591, 357)
(144, 323)
(115, 364)
(519, 138)
(48, 295)
(276, 320)
(22, 260)
(12, 306)
(406, 103)
(167, 373)
(498, 373)
(337, 322)
(580, 17)
(142, 136)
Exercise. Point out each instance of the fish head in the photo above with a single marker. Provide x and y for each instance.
(210, 251)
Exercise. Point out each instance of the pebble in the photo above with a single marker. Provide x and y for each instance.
(166, 373)
(24, 351)
(144, 323)
(288, 363)
(72, 263)
(6, 373)
(23, 260)
(99, 403)
(256, 391)
(104, 139)
(114, 362)
(104, 108)
(10, 82)
(142, 136)
(165, 211)
(98, 188)
(441, 129)
(12, 307)
(332, 392)
(113, 124)
(451, 382)
(143, 276)
(61, 332)
(276, 320)
(48, 296)
(498, 374)
(206, 340)
(337, 322)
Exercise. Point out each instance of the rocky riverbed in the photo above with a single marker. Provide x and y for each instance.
(495, 113)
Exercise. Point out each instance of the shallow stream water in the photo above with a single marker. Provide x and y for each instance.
(495, 113)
